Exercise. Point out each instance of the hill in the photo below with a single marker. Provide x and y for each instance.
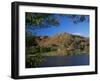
(63, 44)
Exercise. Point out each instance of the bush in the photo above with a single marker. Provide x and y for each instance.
(34, 61)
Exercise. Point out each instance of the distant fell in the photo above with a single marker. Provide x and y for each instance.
(65, 43)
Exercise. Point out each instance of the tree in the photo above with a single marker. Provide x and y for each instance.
(41, 20)
(78, 18)
(45, 20)
(31, 40)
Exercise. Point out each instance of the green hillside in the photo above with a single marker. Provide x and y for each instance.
(60, 44)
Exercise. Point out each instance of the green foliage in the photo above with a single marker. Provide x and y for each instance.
(45, 49)
(33, 50)
(31, 41)
(34, 60)
(40, 20)
(33, 57)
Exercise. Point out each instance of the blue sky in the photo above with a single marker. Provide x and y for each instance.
(66, 25)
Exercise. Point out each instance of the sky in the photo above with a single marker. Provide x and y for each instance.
(66, 25)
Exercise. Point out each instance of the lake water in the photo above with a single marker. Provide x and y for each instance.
(75, 60)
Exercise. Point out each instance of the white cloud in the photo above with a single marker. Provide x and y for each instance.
(77, 33)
